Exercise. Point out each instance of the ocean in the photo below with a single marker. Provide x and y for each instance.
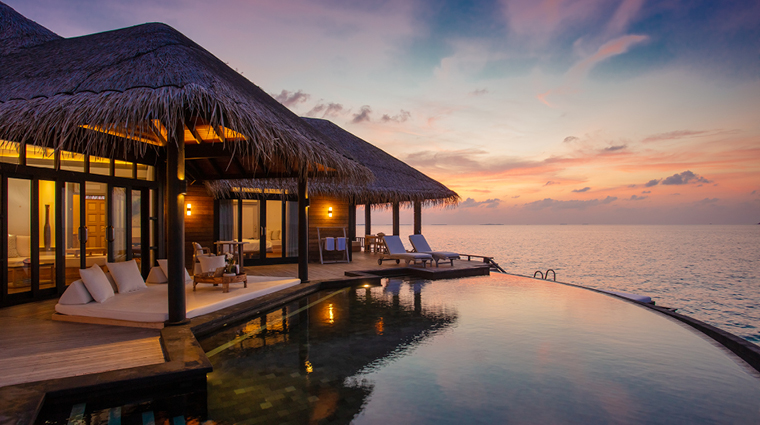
(709, 272)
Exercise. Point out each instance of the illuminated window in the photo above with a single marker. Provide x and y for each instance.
(37, 156)
(71, 161)
(122, 169)
(9, 152)
(100, 166)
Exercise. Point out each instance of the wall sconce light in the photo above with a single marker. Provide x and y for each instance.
(189, 209)
(329, 212)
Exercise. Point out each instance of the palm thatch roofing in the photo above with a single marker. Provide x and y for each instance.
(395, 181)
(125, 93)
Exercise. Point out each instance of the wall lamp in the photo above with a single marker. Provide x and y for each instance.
(189, 209)
(329, 212)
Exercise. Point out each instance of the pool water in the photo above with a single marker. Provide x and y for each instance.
(498, 349)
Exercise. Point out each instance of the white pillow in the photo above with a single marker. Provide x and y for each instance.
(277, 235)
(164, 265)
(112, 282)
(156, 275)
(12, 251)
(76, 293)
(270, 234)
(211, 263)
(22, 245)
(127, 276)
(96, 283)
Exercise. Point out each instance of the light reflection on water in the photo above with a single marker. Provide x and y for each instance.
(496, 349)
(711, 273)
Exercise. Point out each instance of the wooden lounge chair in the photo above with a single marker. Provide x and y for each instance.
(420, 245)
(396, 251)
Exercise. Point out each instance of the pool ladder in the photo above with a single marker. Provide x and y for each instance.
(546, 276)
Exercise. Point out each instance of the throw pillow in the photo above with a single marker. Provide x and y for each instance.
(277, 235)
(76, 293)
(127, 276)
(22, 245)
(211, 263)
(156, 275)
(164, 265)
(96, 283)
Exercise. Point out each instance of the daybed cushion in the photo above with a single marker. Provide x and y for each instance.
(211, 263)
(75, 294)
(164, 264)
(156, 275)
(127, 276)
(97, 283)
(150, 305)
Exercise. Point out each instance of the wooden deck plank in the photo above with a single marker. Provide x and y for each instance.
(34, 348)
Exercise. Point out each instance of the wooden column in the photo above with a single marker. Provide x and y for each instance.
(367, 219)
(396, 218)
(417, 217)
(351, 229)
(176, 187)
(303, 229)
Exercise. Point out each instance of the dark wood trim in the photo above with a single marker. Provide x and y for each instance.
(303, 229)
(351, 229)
(145, 224)
(34, 235)
(396, 218)
(128, 222)
(367, 219)
(4, 242)
(417, 217)
(175, 229)
(60, 233)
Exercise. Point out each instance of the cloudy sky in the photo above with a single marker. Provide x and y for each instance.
(553, 111)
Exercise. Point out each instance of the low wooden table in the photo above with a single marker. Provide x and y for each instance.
(222, 280)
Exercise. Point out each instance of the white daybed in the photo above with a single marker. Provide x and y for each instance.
(149, 307)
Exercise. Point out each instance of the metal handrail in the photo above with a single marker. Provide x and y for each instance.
(554, 275)
(538, 272)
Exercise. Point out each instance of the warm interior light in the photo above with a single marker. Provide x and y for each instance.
(189, 208)
(329, 212)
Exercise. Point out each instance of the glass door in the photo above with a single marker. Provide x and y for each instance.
(116, 234)
(248, 226)
(95, 223)
(73, 231)
(19, 243)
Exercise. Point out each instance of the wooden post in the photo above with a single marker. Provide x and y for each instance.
(303, 229)
(176, 187)
(417, 217)
(367, 219)
(396, 218)
(351, 229)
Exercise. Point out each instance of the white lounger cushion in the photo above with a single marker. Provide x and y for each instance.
(151, 305)
(127, 276)
(97, 283)
(75, 294)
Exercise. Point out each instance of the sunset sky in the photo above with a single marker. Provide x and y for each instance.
(556, 111)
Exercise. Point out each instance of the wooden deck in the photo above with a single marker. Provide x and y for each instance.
(33, 347)
(361, 261)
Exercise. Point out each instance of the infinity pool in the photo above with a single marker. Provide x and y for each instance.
(498, 349)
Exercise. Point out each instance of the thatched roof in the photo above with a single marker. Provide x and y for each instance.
(120, 93)
(395, 181)
(18, 32)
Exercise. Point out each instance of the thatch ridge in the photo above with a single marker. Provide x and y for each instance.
(18, 32)
(123, 78)
(395, 181)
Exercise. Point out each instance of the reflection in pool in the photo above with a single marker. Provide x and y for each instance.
(493, 349)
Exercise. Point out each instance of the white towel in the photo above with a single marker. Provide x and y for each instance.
(341, 244)
(329, 244)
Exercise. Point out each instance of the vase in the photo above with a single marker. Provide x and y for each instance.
(46, 230)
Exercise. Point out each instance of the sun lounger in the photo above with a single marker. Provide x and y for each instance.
(420, 245)
(396, 251)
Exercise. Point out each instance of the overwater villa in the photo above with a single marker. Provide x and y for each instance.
(131, 146)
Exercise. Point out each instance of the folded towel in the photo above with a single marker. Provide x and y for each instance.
(341, 244)
(329, 244)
